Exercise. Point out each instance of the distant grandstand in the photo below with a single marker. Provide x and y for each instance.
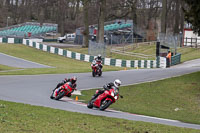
(28, 29)
(117, 26)
(116, 32)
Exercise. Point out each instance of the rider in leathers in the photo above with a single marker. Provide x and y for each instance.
(108, 86)
(98, 59)
(71, 82)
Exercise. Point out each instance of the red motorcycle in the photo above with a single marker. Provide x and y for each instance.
(104, 100)
(96, 70)
(64, 90)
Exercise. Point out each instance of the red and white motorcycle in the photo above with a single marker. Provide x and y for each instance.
(64, 90)
(96, 70)
(104, 100)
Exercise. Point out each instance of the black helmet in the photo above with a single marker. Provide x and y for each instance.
(99, 56)
(73, 79)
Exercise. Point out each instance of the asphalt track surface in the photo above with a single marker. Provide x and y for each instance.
(36, 89)
(18, 62)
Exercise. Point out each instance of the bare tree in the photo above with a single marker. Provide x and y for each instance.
(133, 11)
(164, 16)
(101, 19)
(86, 24)
(117, 9)
(177, 17)
(75, 4)
(69, 14)
(62, 17)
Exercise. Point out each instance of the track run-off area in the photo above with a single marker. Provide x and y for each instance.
(36, 89)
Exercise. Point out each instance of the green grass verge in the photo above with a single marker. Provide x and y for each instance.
(67, 65)
(61, 64)
(22, 118)
(187, 53)
(144, 49)
(5, 68)
(161, 98)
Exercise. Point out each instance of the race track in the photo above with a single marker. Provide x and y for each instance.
(18, 62)
(36, 89)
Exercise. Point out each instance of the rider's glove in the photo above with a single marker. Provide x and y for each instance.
(74, 85)
(63, 82)
(105, 87)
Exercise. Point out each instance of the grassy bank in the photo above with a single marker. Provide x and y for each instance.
(22, 118)
(143, 49)
(176, 98)
(67, 65)
(187, 53)
(61, 64)
(6, 68)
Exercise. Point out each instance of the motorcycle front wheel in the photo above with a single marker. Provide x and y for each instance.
(90, 105)
(93, 73)
(105, 105)
(100, 73)
(60, 95)
(52, 95)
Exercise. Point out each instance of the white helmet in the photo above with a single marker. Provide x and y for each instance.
(117, 83)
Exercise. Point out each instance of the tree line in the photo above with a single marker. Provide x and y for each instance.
(159, 15)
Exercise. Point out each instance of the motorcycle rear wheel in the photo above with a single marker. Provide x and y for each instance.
(105, 105)
(60, 95)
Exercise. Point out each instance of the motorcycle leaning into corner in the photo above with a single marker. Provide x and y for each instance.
(96, 69)
(64, 90)
(104, 100)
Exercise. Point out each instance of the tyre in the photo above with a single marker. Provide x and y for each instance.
(60, 95)
(105, 105)
(52, 95)
(93, 73)
(90, 105)
(100, 73)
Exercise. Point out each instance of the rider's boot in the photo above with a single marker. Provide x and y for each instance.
(69, 95)
(54, 89)
(97, 94)
(52, 97)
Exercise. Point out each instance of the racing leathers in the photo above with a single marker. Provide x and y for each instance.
(101, 91)
(73, 86)
(99, 62)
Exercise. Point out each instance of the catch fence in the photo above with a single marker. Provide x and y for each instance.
(97, 48)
